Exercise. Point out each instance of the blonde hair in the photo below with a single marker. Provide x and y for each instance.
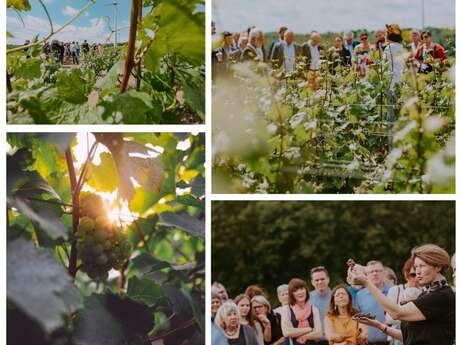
(223, 312)
(262, 300)
(433, 255)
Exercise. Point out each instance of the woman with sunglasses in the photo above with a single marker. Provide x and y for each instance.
(361, 60)
(429, 53)
(430, 318)
(402, 294)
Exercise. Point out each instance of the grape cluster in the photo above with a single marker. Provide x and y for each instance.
(101, 245)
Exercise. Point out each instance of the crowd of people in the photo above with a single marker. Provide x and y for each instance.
(69, 52)
(286, 54)
(370, 308)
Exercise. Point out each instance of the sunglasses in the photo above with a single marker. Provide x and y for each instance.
(412, 275)
(364, 38)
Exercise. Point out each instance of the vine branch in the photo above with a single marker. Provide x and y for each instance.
(129, 63)
(72, 269)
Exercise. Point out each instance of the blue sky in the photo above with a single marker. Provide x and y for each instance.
(330, 15)
(88, 26)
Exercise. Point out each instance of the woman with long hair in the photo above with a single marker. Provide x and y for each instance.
(228, 320)
(340, 328)
(244, 307)
(300, 320)
(216, 302)
(430, 318)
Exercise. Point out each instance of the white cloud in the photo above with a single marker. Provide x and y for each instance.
(69, 11)
(330, 15)
(97, 31)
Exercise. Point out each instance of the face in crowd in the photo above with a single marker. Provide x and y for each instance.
(338, 42)
(215, 304)
(320, 281)
(244, 307)
(289, 37)
(425, 273)
(283, 296)
(341, 298)
(375, 274)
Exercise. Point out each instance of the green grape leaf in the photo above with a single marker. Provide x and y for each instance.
(71, 87)
(194, 91)
(180, 30)
(29, 69)
(146, 263)
(143, 200)
(190, 200)
(145, 291)
(49, 294)
(184, 221)
(131, 107)
(20, 5)
(103, 177)
(112, 320)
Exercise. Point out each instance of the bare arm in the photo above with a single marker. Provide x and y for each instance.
(286, 325)
(407, 312)
(394, 333)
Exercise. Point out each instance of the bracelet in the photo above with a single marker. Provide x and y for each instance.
(385, 330)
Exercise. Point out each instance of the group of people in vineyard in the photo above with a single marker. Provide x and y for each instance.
(72, 52)
(346, 54)
(371, 308)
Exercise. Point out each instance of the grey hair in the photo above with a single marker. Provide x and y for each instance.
(288, 32)
(261, 299)
(254, 34)
(223, 312)
(349, 33)
(215, 293)
(374, 262)
(282, 288)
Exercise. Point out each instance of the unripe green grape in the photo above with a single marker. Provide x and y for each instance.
(101, 260)
(86, 224)
(102, 223)
(91, 205)
(97, 249)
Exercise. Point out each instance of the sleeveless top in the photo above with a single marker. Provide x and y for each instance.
(295, 324)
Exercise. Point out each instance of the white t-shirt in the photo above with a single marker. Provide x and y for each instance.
(394, 53)
(289, 57)
(315, 57)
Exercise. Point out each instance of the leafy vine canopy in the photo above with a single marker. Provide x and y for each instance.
(151, 188)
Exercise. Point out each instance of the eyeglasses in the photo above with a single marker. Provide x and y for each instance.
(412, 275)
(364, 38)
(425, 36)
(258, 306)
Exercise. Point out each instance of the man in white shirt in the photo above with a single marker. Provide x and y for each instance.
(314, 46)
(285, 53)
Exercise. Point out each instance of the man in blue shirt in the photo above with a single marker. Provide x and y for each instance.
(320, 297)
(366, 303)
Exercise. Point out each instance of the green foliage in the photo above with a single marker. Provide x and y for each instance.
(156, 289)
(167, 83)
(20, 5)
(268, 243)
(276, 134)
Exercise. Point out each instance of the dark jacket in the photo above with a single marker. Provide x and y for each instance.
(307, 53)
(272, 46)
(250, 54)
(338, 57)
(277, 59)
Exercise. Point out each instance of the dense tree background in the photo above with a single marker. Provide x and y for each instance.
(270, 242)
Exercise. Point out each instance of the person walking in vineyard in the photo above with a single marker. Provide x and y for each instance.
(380, 42)
(242, 44)
(254, 49)
(429, 53)
(338, 55)
(340, 328)
(286, 53)
(349, 44)
(361, 59)
(313, 53)
(394, 54)
(278, 40)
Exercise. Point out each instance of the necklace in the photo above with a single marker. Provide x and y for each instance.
(232, 332)
(344, 320)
